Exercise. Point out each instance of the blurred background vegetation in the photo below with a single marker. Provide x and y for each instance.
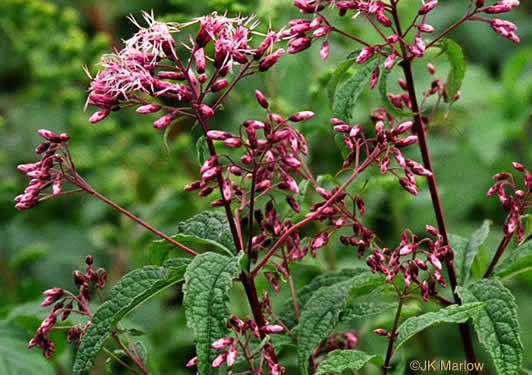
(44, 44)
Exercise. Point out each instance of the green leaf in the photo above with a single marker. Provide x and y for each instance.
(322, 312)
(466, 249)
(497, 326)
(206, 228)
(15, 358)
(207, 283)
(520, 260)
(348, 93)
(342, 360)
(458, 66)
(362, 308)
(287, 312)
(450, 314)
(336, 77)
(131, 291)
(383, 90)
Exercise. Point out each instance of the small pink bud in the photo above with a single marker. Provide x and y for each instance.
(292, 161)
(218, 361)
(270, 60)
(64, 137)
(408, 186)
(406, 249)
(193, 362)
(49, 135)
(193, 186)
(226, 189)
(42, 148)
(219, 85)
(426, 28)
(393, 39)
(319, 241)
(431, 68)
(374, 78)
(261, 98)
(272, 328)
(163, 122)
(222, 343)
(431, 230)
(301, 116)
(321, 32)
(324, 50)
(406, 141)
(355, 131)
(428, 7)
(233, 142)
(99, 116)
(518, 166)
(511, 226)
(480, 3)
(435, 262)
(218, 135)
(381, 332)
(383, 19)
(56, 187)
(403, 127)
(206, 111)
(148, 108)
(231, 356)
(199, 56)
(365, 55)
(390, 60)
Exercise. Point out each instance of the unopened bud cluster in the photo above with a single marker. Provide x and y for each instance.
(412, 257)
(48, 172)
(238, 345)
(517, 202)
(64, 303)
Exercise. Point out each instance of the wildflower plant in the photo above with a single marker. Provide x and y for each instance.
(255, 179)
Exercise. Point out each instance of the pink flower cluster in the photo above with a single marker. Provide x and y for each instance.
(63, 302)
(238, 345)
(148, 67)
(392, 262)
(46, 172)
(517, 203)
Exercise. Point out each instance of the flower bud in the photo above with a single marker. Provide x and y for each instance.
(148, 108)
(218, 135)
(219, 85)
(271, 60)
(365, 55)
(406, 141)
(193, 362)
(206, 111)
(49, 135)
(324, 50)
(428, 7)
(390, 60)
(231, 356)
(222, 343)
(218, 361)
(163, 122)
(301, 116)
(272, 328)
(99, 116)
(319, 241)
(381, 332)
(261, 98)
(233, 142)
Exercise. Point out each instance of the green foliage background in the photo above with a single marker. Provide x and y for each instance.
(44, 44)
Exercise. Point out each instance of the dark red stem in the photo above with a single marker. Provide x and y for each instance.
(419, 128)
(389, 351)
